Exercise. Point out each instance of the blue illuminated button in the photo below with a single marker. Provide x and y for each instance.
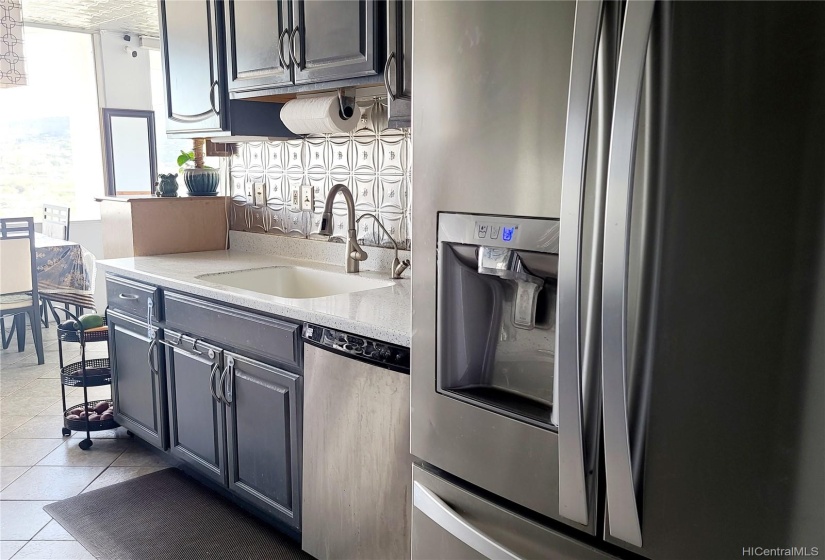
(507, 233)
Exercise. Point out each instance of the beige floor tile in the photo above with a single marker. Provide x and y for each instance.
(25, 406)
(25, 452)
(39, 427)
(50, 483)
(10, 386)
(56, 409)
(53, 550)
(113, 475)
(10, 474)
(40, 388)
(117, 433)
(53, 531)
(10, 548)
(141, 456)
(20, 521)
(10, 423)
(102, 453)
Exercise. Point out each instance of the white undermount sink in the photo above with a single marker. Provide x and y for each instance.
(293, 282)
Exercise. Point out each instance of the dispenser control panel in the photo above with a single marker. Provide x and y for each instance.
(495, 231)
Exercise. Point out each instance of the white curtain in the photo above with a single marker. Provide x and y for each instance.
(12, 61)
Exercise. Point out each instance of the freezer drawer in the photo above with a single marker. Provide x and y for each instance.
(448, 522)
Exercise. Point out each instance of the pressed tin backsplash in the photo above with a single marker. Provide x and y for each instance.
(374, 162)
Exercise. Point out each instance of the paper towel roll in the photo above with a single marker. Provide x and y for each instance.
(317, 115)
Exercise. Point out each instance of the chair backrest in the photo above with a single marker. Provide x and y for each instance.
(56, 221)
(18, 269)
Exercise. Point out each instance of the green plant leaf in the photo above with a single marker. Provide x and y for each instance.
(185, 157)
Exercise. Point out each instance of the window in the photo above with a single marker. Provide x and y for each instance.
(50, 129)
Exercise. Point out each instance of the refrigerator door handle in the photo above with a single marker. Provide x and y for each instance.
(568, 416)
(622, 496)
(448, 519)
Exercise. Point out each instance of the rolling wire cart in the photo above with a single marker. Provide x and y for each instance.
(85, 373)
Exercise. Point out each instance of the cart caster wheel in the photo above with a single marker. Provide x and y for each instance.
(66, 432)
(85, 444)
(129, 433)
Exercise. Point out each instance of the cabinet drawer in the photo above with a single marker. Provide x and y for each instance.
(131, 297)
(241, 330)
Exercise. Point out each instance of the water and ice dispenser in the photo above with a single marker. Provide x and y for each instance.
(496, 313)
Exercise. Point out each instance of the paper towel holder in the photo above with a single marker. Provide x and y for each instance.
(346, 99)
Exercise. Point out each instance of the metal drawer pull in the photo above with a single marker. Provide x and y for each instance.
(212, 375)
(390, 59)
(292, 47)
(226, 395)
(227, 392)
(195, 346)
(175, 342)
(284, 63)
(446, 517)
(130, 297)
(151, 356)
(212, 97)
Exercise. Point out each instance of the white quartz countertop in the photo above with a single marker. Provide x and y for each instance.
(381, 313)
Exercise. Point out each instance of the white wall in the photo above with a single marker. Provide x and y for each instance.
(123, 81)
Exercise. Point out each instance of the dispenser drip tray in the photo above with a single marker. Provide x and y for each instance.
(507, 402)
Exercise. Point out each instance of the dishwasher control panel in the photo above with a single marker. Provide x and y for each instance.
(382, 354)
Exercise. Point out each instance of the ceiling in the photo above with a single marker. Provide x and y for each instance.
(136, 16)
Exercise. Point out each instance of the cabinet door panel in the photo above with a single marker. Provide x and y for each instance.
(253, 29)
(337, 40)
(191, 40)
(263, 436)
(196, 420)
(138, 393)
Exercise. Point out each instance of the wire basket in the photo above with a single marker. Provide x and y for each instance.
(79, 425)
(96, 335)
(98, 373)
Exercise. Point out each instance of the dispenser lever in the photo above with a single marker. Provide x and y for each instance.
(507, 264)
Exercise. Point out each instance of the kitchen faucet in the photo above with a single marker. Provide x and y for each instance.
(398, 266)
(354, 252)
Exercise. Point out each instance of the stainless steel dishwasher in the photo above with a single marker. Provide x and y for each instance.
(356, 451)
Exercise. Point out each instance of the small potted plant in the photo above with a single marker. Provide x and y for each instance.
(200, 179)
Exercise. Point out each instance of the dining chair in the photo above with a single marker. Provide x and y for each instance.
(56, 221)
(18, 282)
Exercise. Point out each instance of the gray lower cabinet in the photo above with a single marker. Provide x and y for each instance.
(138, 386)
(197, 432)
(263, 436)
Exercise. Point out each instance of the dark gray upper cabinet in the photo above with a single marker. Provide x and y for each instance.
(255, 31)
(398, 69)
(192, 40)
(196, 418)
(138, 386)
(333, 40)
(263, 436)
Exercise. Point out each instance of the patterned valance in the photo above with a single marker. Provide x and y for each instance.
(12, 62)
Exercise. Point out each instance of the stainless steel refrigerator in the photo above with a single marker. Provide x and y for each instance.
(619, 279)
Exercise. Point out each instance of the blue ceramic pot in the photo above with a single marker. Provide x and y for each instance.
(202, 182)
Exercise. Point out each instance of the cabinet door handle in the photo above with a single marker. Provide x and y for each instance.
(213, 373)
(226, 394)
(212, 97)
(284, 63)
(151, 355)
(131, 297)
(292, 47)
(390, 59)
